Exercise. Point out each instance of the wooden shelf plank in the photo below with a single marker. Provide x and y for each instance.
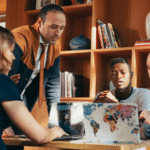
(76, 99)
(82, 9)
(76, 53)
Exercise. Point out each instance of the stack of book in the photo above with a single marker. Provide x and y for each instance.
(42, 3)
(72, 85)
(142, 43)
(108, 35)
(76, 2)
(2, 15)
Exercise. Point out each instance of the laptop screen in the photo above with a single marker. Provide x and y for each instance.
(69, 116)
(111, 122)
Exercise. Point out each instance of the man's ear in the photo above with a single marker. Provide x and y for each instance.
(131, 74)
(39, 21)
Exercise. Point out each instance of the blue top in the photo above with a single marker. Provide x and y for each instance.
(8, 91)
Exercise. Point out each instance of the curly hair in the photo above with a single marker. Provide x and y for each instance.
(6, 41)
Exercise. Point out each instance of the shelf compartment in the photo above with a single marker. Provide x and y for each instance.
(75, 26)
(77, 63)
(102, 60)
(115, 51)
(76, 99)
(141, 69)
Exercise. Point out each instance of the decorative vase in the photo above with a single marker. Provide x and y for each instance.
(79, 43)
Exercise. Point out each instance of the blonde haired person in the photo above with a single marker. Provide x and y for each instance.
(12, 108)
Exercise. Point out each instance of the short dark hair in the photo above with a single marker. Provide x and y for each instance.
(48, 8)
(119, 60)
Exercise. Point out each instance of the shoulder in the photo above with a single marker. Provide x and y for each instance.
(25, 30)
(8, 89)
(21, 30)
(4, 78)
(141, 90)
(24, 36)
(141, 93)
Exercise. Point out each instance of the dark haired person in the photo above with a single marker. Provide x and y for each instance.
(28, 48)
(12, 108)
(121, 76)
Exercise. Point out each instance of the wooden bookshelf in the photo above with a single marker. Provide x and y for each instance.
(128, 16)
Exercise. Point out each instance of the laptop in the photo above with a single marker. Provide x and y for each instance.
(68, 116)
(111, 123)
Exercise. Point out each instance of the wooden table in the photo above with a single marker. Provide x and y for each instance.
(69, 145)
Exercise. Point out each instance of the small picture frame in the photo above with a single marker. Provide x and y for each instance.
(41, 3)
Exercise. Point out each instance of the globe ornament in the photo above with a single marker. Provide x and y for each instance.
(79, 43)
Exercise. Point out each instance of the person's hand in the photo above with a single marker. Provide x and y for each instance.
(145, 115)
(142, 134)
(15, 78)
(8, 132)
(106, 97)
(59, 132)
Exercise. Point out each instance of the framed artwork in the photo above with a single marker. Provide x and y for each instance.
(42, 3)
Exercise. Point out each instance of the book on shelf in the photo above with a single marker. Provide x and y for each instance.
(142, 43)
(74, 2)
(80, 1)
(117, 37)
(41, 3)
(100, 33)
(112, 35)
(88, 1)
(62, 85)
(78, 85)
(72, 85)
(69, 84)
(64, 78)
(71, 2)
(108, 35)
(66, 2)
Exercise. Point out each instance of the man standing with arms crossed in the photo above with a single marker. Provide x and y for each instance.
(31, 42)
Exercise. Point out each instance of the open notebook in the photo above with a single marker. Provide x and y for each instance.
(111, 123)
(69, 116)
